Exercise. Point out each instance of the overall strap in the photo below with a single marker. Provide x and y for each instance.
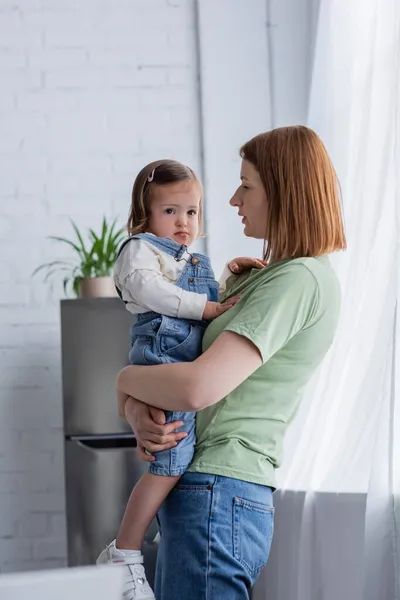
(122, 246)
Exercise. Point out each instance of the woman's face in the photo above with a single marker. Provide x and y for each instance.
(251, 200)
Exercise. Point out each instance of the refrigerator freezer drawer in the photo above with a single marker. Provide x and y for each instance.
(100, 474)
(95, 345)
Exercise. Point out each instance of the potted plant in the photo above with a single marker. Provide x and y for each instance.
(89, 275)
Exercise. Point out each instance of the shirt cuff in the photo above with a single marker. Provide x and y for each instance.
(192, 305)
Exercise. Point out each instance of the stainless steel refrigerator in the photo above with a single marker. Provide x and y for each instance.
(100, 462)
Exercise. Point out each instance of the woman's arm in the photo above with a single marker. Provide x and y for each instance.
(229, 361)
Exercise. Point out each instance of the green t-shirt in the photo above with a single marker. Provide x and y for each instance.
(290, 311)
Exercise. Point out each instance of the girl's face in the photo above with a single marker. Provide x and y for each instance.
(251, 200)
(174, 211)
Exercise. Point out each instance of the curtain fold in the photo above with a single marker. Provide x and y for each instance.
(343, 451)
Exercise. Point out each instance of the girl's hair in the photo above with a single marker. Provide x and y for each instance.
(302, 191)
(159, 172)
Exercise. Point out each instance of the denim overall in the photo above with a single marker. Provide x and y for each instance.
(158, 339)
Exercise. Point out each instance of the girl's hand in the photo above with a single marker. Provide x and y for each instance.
(244, 263)
(151, 431)
(215, 309)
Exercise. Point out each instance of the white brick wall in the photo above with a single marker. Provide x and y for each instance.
(90, 91)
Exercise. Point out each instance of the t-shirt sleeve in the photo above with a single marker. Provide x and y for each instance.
(277, 309)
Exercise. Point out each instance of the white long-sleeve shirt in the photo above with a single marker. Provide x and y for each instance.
(147, 276)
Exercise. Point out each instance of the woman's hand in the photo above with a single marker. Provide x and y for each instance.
(244, 263)
(150, 429)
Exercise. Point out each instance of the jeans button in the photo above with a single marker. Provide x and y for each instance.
(191, 280)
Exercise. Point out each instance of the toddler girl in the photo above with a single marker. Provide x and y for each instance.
(173, 294)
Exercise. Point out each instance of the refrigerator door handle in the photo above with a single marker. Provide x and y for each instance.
(106, 443)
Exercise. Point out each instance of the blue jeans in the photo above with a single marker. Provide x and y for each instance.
(216, 534)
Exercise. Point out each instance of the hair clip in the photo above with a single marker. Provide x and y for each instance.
(151, 176)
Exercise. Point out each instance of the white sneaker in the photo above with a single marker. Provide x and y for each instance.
(136, 586)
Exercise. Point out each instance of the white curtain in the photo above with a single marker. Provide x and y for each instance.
(338, 517)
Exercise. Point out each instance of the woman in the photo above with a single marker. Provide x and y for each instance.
(217, 524)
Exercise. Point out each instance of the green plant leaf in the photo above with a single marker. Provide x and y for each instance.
(104, 237)
(79, 236)
(93, 236)
(66, 281)
(51, 272)
(113, 243)
(111, 230)
(50, 264)
(65, 241)
(75, 285)
(115, 237)
(104, 229)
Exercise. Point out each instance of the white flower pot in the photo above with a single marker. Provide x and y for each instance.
(98, 287)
